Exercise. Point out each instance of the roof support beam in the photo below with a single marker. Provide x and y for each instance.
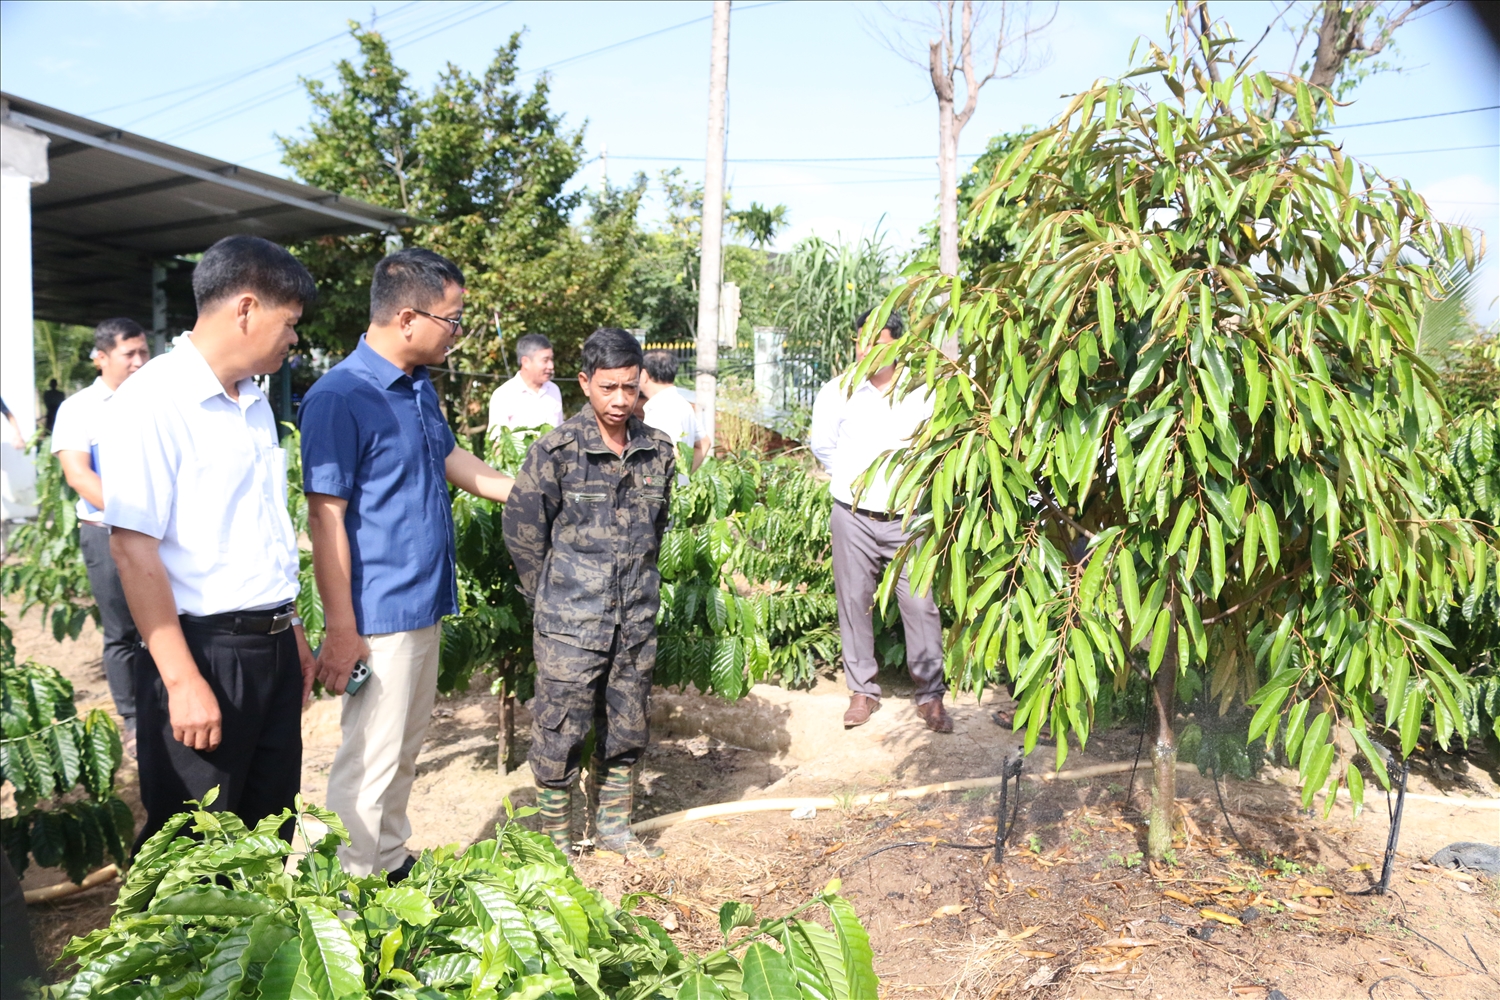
(41, 125)
(194, 223)
(119, 195)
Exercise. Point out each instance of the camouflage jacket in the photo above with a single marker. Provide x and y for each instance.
(584, 526)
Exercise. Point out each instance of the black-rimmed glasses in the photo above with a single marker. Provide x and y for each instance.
(455, 326)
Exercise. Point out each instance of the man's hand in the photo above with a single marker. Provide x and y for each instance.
(196, 721)
(341, 650)
(309, 664)
(191, 704)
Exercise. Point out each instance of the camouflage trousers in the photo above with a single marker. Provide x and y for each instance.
(581, 688)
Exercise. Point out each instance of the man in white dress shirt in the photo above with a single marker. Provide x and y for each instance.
(120, 349)
(530, 398)
(667, 409)
(849, 432)
(195, 497)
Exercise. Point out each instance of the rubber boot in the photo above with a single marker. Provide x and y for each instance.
(612, 819)
(556, 810)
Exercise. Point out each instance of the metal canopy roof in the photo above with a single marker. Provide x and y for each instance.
(116, 203)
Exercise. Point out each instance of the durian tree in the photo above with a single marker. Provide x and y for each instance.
(1182, 427)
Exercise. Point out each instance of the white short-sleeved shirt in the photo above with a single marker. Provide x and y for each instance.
(205, 474)
(516, 404)
(849, 432)
(670, 411)
(81, 420)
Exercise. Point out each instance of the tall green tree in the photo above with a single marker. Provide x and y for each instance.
(483, 166)
(1184, 427)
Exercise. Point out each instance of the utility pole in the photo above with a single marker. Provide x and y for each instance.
(710, 266)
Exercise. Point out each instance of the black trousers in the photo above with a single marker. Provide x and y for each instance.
(257, 766)
(122, 643)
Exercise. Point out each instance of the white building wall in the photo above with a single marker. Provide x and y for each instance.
(23, 164)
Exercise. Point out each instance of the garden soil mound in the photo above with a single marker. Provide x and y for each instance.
(1071, 912)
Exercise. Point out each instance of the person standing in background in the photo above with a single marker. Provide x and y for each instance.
(377, 458)
(120, 349)
(51, 400)
(584, 526)
(850, 431)
(530, 398)
(195, 497)
(667, 409)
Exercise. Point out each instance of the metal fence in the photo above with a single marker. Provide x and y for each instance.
(784, 383)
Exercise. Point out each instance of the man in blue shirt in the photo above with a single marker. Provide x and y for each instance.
(377, 458)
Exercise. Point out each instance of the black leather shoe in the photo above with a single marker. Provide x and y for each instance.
(399, 874)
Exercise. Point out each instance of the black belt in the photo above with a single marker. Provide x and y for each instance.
(267, 622)
(874, 515)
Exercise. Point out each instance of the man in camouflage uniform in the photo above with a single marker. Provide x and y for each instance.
(583, 526)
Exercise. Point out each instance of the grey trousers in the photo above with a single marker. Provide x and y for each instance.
(862, 547)
(122, 643)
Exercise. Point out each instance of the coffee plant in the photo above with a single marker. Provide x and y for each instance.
(747, 587)
(1187, 418)
(212, 909)
(44, 565)
(52, 756)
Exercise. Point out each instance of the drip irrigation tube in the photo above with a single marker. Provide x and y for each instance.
(744, 806)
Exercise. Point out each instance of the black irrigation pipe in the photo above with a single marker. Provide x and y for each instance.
(1140, 746)
(1408, 982)
(1228, 822)
(1003, 830)
(913, 843)
(1384, 885)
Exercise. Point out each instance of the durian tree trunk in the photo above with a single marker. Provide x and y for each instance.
(1163, 753)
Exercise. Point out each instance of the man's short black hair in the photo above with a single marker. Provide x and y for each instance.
(413, 278)
(239, 264)
(113, 330)
(661, 366)
(530, 344)
(610, 347)
(893, 323)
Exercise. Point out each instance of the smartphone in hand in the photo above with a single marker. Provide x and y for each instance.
(357, 677)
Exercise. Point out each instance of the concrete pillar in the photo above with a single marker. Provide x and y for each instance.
(23, 164)
(158, 309)
(769, 342)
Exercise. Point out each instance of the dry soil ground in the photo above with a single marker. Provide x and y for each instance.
(1071, 912)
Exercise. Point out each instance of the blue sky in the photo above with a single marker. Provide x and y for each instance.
(807, 80)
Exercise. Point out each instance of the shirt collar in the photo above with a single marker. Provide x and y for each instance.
(203, 384)
(385, 372)
(102, 389)
(593, 441)
(526, 386)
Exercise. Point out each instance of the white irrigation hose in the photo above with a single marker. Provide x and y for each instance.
(829, 802)
(64, 889)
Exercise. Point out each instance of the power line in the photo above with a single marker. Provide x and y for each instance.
(1406, 152)
(266, 97)
(1414, 118)
(237, 75)
(805, 159)
(641, 38)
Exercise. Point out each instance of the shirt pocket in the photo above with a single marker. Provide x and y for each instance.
(586, 520)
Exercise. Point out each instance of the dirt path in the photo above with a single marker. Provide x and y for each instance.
(950, 923)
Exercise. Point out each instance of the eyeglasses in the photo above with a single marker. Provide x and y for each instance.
(455, 324)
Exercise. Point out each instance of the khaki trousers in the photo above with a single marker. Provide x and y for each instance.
(383, 727)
